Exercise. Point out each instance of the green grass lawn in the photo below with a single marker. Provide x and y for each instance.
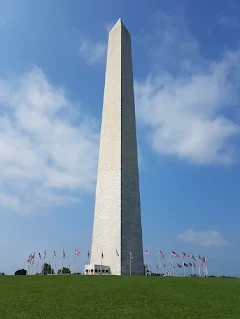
(118, 297)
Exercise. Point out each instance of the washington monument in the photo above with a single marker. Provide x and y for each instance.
(117, 229)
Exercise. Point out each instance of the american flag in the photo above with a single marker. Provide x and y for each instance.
(64, 255)
(117, 252)
(174, 254)
(131, 255)
(204, 260)
(161, 254)
(77, 252)
(29, 258)
(39, 256)
(147, 253)
(185, 265)
(32, 259)
(102, 254)
(179, 266)
(157, 267)
(193, 258)
(172, 266)
(54, 254)
(186, 255)
(88, 254)
(190, 264)
(45, 254)
(199, 257)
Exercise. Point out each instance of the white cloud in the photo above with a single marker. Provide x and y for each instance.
(204, 238)
(109, 26)
(185, 102)
(45, 156)
(92, 52)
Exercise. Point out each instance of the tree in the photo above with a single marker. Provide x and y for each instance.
(47, 269)
(2, 273)
(64, 271)
(21, 272)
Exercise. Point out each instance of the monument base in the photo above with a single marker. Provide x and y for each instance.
(97, 270)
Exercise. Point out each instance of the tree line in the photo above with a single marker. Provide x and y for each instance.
(46, 270)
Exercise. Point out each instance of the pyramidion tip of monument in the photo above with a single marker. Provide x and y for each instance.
(118, 24)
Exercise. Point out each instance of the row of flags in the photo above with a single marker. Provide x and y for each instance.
(174, 254)
(180, 266)
(31, 257)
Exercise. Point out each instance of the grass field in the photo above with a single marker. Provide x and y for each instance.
(118, 297)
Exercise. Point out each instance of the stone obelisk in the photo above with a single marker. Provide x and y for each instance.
(117, 229)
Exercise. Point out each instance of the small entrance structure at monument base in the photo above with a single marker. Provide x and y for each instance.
(97, 270)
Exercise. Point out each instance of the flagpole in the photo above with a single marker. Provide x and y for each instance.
(62, 264)
(172, 267)
(130, 259)
(37, 265)
(203, 268)
(33, 268)
(205, 264)
(198, 264)
(30, 266)
(146, 266)
(79, 255)
(116, 261)
(74, 260)
(52, 263)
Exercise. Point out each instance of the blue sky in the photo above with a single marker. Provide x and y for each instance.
(186, 58)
